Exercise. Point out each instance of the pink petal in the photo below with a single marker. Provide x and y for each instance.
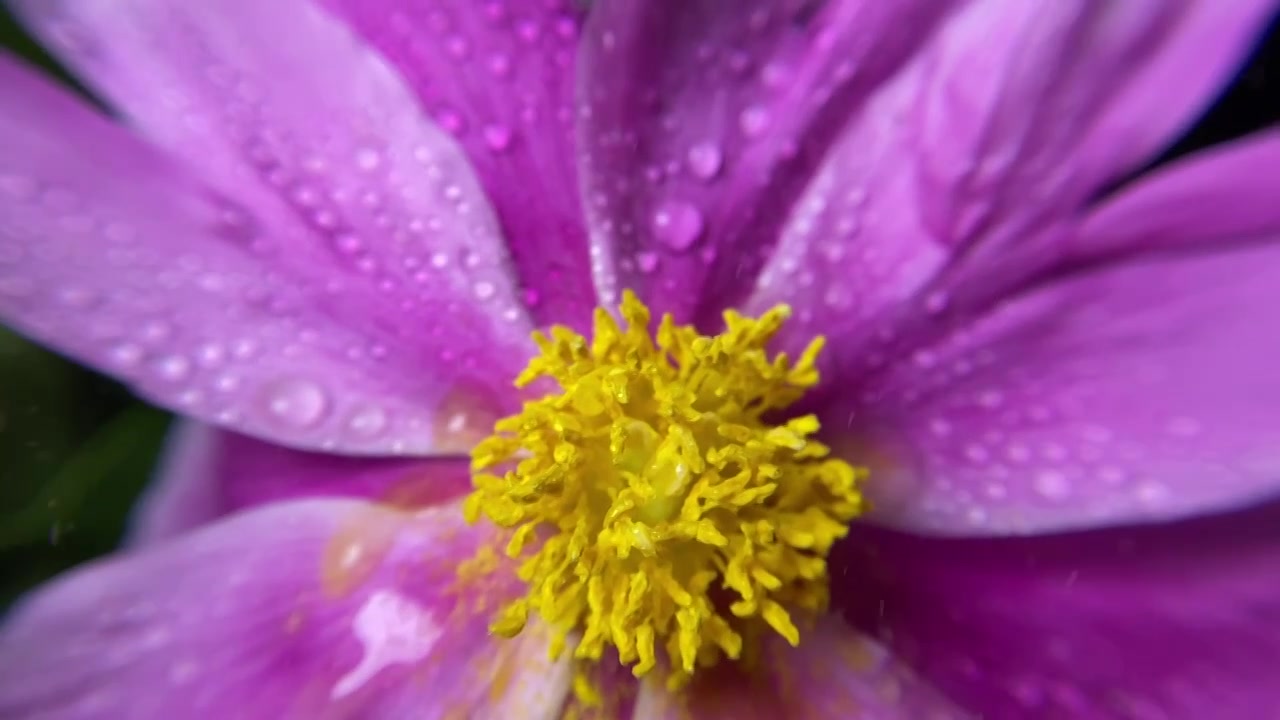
(836, 672)
(209, 473)
(1135, 392)
(1174, 621)
(310, 609)
(949, 187)
(1220, 196)
(216, 303)
(500, 77)
(701, 122)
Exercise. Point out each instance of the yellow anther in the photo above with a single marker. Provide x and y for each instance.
(656, 510)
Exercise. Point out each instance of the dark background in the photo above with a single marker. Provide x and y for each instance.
(76, 448)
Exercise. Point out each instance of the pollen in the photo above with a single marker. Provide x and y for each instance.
(655, 507)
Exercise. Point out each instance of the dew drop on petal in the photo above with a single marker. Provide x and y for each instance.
(173, 368)
(678, 225)
(753, 120)
(368, 159)
(367, 421)
(705, 160)
(296, 402)
(1052, 484)
(647, 261)
(497, 137)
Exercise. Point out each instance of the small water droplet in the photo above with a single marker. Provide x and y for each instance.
(678, 225)
(1052, 484)
(753, 120)
(458, 47)
(450, 120)
(367, 421)
(497, 137)
(296, 402)
(485, 290)
(368, 159)
(647, 261)
(705, 160)
(126, 354)
(232, 221)
(531, 297)
(173, 368)
(500, 65)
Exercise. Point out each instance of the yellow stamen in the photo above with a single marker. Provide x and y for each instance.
(658, 511)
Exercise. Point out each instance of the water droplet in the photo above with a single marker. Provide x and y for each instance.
(753, 120)
(210, 354)
(531, 297)
(348, 244)
(368, 159)
(232, 221)
(647, 261)
(485, 290)
(500, 65)
(678, 225)
(458, 47)
(450, 120)
(497, 137)
(705, 160)
(296, 402)
(173, 368)
(367, 421)
(1052, 484)
(529, 31)
(126, 354)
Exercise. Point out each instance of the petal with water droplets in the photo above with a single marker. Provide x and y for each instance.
(700, 123)
(500, 77)
(116, 255)
(1135, 392)
(954, 179)
(320, 608)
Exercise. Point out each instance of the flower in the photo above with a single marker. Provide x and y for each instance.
(1046, 399)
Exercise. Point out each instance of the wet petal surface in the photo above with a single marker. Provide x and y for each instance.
(213, 296)
(500, 78)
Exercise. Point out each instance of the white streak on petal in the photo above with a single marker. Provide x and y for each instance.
(393, 629)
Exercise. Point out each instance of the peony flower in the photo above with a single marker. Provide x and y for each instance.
(950, 415)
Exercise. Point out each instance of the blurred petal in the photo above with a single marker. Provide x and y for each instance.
(836, 672)
(316, 609)
(1218, 197)
(118, 257)
(500, 77)
(1131, 393)
(184, 493)
(1172, 621)
(703, 120)
(208, 473)
(946, 190)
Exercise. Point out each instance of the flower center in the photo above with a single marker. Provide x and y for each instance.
(656, 510)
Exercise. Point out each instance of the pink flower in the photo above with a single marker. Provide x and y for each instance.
(325, 232)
